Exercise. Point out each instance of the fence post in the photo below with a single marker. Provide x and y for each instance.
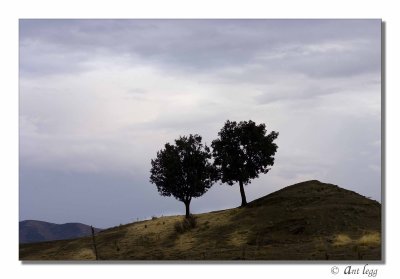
(94, 243)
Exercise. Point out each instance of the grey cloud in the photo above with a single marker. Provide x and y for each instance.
(39, 58)
(136, 93)
(200, 45)
(361, 58)
(300, 94)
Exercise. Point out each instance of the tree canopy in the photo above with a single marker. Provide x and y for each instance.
(242, 151)
(183, 170)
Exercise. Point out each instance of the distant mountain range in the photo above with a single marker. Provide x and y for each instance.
(38, 231)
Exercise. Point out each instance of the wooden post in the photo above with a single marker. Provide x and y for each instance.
(94, 243)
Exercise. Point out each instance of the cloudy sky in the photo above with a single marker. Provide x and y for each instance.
(98, 98)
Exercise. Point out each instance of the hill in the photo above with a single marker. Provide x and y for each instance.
(306, 221)
(38, 231)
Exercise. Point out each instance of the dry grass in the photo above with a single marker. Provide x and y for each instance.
(367, 239)
(370, 239)
(342, 239)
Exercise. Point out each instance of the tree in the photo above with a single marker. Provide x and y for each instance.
(183, 170)
(242, 151)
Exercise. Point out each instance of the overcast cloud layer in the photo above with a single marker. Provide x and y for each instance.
(98, 98)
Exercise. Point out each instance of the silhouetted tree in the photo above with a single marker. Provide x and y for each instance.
(242, 151)
(183, 170)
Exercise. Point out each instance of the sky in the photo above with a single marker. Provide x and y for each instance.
(99, 98)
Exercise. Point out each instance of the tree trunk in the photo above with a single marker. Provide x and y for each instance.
(187, 204)
(242, 193)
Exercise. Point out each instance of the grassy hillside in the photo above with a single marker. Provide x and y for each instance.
(306, 221)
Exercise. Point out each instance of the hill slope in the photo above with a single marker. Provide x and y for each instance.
(37, 231)
(306, 221)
